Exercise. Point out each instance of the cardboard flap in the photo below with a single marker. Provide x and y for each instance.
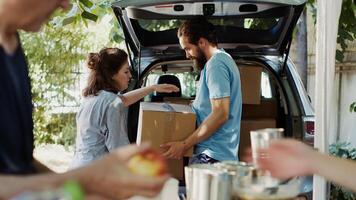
(165, 107)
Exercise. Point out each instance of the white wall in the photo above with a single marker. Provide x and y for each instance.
(347, 123)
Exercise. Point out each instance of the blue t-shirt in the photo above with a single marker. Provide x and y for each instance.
(220, 78)
(16, 126)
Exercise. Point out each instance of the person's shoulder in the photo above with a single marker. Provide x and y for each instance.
(221, 56)
(110, 98)
(106, 96)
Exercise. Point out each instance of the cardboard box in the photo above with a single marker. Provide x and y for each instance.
(251, 84)
(176, 168)
(249, 125)
(160, 123)
(266, 109)
(178, 100)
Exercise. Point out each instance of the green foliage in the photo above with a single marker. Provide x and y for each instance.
(347, 25)
(83, 10)
(189, 82)
(159, 25)
(312, 6)
(343, 150)
(54, 57)
(65, 128)
(353, 107)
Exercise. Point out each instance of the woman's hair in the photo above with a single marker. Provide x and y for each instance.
(103, 66)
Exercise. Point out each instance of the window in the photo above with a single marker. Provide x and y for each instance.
(186, 79)
(247, 23)
(266, 90)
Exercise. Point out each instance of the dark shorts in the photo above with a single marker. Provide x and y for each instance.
(202, 159)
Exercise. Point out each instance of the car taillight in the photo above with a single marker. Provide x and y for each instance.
(309, 127)
(309, 130)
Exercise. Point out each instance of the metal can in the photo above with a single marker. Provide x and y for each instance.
(207, 182)
(235, 170)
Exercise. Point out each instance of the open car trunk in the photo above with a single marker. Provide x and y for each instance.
(250, 27)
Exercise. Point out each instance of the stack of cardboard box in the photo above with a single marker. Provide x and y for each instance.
(255, 114)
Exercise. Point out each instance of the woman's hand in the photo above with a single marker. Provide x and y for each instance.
(287, 158)
(109, 177)
(166, 88)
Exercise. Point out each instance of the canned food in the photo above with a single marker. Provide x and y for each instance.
(207, 182)
(235, 167)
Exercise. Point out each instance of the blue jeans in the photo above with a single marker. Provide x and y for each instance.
(202, 159)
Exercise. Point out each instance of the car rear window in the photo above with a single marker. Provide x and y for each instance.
(246, 23)
(266, 90)
(187, 82)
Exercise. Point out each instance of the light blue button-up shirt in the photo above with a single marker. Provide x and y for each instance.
(220, 78)
(101, 127)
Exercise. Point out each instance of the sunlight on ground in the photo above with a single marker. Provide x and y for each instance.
(55, 157)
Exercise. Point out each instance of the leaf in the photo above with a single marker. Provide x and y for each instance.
(353, 154)
(339, 56)
(87, 3)
(353, 107)
(73, 11)
(117, 38)
(68, 20)
(90, 16)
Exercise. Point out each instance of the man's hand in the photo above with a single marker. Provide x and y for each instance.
(174, 150)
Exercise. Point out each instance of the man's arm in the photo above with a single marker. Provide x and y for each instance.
(218, 116)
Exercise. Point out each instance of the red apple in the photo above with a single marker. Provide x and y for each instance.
(148, 163)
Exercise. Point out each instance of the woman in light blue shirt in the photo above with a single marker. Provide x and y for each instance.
(102, 117)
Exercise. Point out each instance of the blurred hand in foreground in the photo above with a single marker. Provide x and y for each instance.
(287, 158)
(110, 177)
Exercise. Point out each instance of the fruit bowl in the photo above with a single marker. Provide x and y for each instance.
(258, 185)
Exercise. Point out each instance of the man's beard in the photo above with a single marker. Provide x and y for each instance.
(199, 61)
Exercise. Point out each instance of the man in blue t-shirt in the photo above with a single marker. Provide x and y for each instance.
(218, 103)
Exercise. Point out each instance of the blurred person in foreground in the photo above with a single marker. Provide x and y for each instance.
(108, 177)
(287, 158)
